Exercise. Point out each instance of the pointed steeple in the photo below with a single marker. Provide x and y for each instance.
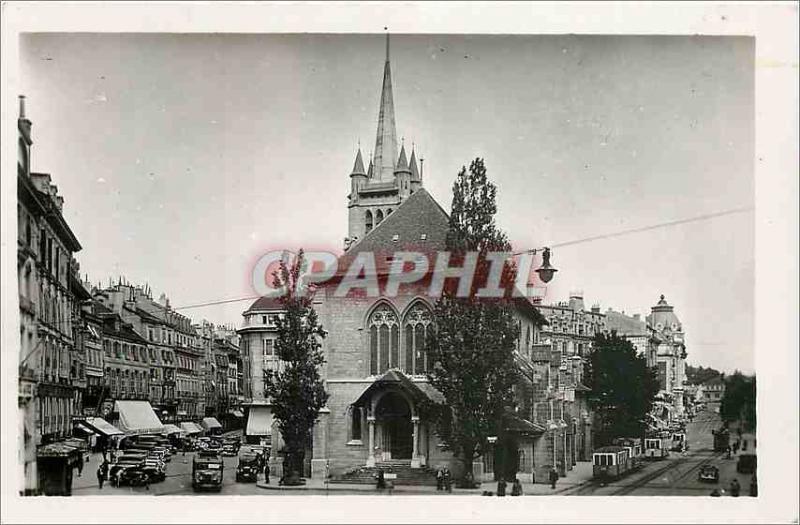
(371, 169)
(412, 165)
(402, 163)
(358, 167)
(386, 139)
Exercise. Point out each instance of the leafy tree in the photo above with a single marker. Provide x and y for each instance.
(296, 389)
(473, 346)
(623, 388)
(700, 374)
(739, 401)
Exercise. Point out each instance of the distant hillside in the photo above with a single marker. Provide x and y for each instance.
(697, 375)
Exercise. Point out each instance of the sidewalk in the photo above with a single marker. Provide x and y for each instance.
(580, 474)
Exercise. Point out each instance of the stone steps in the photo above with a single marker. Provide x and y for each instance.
(405, 474)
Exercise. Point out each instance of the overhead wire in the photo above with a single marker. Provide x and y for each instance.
(574, 242)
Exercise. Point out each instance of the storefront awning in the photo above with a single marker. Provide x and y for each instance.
(190, 428)
(100, 426)
(171, 429)
(137, 417)
(236, 413)
(259, 421)
(210, 422)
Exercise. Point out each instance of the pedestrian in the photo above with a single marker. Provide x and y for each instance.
(448, 480)
(381, 484)
(101, 476)
(80, 464)
(440, 479)
(516, 488)
(735, 446)
(753, 486)
(553, 478)
(735, 488)
(728, 452)
(266, 474)
(501, 487)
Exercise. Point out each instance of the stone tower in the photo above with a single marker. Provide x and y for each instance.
(390, 179)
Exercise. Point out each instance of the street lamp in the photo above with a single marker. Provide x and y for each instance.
(545, 271)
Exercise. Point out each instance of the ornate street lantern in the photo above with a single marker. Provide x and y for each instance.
(546, 271)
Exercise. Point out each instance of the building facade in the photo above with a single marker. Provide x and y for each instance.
(570, 332)
(376, 366)
(50, 383)
(670, 355)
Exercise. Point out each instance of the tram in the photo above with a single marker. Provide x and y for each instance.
(722, 438)
(610, 463)
(634, 446)
(656, 448)
(679, 443)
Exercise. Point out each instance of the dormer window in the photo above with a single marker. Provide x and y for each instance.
(423, 236)
(395, 238)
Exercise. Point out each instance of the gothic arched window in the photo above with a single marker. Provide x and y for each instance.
(416, 327)
(384, 340)
(378, 217)
(368, 220)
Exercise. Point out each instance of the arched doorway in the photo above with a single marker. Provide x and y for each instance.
(393, 415)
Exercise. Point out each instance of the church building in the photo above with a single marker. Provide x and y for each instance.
(375, 361)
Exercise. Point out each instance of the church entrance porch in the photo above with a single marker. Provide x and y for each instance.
(392, 405)
(395, 429)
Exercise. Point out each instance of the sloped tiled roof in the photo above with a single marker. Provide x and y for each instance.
(418, 215)
(265, 303)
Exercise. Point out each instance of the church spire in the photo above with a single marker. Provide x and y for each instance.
(386, 140)
(358, 167)
(412, 165)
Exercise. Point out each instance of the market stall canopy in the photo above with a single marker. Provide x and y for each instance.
(100, 426)
(259, 422)
(171, 429)
(190, 428)
(210, 422)
(137, 417)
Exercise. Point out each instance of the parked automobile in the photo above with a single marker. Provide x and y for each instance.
(709, 473)
(248, 467)
(134, 477)
(207, 471)
(155, 469)
(126, 460)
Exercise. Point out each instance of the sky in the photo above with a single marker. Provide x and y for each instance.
(184, 157)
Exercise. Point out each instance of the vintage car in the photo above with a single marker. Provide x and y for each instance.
(708, 473)
(207, 471)
(248, 467)
(134, 477)
(156, 469)
(124, 462)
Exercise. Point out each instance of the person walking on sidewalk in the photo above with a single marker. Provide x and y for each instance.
(266, 473)
(101, 476)
(516, 488)
(553, 478)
